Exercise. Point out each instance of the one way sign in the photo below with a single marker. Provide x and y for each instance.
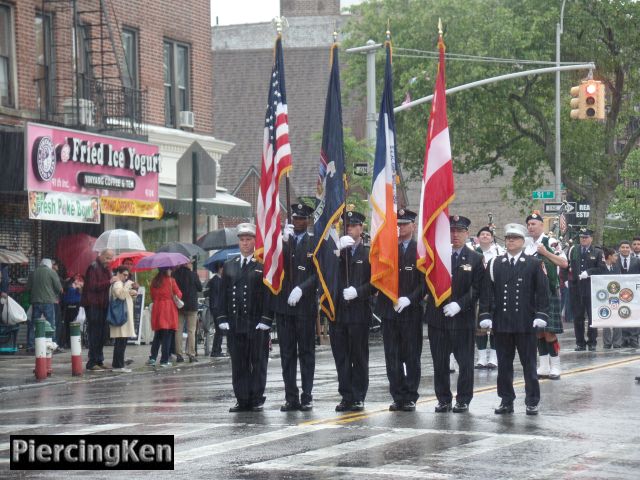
(555, 207)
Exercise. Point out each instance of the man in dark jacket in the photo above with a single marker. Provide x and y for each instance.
(349, 334)
(189, 284)
(245, 313)
(452, 325)
(95, 299)
(213, 293)
(296, 309)
(584, 259)
(514, 302)
(402, 322)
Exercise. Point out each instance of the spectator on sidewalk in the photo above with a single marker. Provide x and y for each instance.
(45, 288)
(189, 284)
(213, 293)
(95, 298)
(164, 315)
(71, 298)
(123, 289)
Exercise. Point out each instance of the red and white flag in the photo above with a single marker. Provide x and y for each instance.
(276, 161)
(434, 239)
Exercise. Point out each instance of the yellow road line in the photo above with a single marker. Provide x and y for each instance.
(355, 416)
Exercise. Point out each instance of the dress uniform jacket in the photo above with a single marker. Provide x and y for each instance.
(244, 299)
(579, 262)
(357, 310)
(410, 284)
(466, 283)
(299, 271)
(513, 296)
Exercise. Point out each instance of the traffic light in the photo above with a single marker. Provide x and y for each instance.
(587, 100)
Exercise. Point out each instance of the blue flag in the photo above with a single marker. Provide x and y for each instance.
(330, 195)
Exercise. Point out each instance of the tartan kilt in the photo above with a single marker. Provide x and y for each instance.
(554, 324)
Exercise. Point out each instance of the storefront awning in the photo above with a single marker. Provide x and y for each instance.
(223, 204)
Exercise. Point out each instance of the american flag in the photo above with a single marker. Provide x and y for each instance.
(434, 240)
(276, 161)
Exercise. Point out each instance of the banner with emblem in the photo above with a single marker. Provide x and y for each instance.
(615, 301)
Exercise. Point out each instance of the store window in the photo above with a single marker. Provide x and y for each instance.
(156, 233)
(44, 64)
(177, 94)
(130, 47)
(7, 86)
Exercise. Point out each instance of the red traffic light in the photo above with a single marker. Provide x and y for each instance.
(591, 88)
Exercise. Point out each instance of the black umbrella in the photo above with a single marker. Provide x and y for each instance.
(218, 239)
(186, 249)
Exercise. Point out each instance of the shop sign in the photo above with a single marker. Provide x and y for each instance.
(63, 207)
(70, 161)
(131, 208)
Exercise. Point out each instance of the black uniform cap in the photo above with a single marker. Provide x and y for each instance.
(301, 210)
(355, 218)
(458, 222)
(534, 216)
(406, 216)
(586, 232)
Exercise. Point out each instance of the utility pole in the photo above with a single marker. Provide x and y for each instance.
(558, 169)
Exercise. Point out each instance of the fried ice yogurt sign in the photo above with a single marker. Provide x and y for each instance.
(70, 161)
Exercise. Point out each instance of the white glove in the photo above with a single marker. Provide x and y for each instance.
(224, 326)
(287, 231)
(294, 297)
(262, 326)
(486, 323)
(451, 309)
(583, 275)
(403, 302)
(539, 323)
(349, 293)
(566, 284)
(345, 241)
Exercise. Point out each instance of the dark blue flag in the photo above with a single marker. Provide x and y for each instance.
(330, 195)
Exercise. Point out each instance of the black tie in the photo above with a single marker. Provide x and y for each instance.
(454, 260)
(513, 262)
(584, 251)
(245, 262)
(624, 265)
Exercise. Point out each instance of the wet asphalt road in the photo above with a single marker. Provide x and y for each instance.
(588, 427)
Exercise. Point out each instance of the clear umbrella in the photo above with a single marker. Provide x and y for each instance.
(119, 241)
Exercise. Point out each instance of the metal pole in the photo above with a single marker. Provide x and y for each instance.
(371, 91)
(558, 168)
(194, 198)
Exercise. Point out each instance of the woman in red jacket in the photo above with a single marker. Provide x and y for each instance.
(164, 313)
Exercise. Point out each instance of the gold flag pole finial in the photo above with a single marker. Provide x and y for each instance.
(335, 32)
(439, 26)
(388, 30)
(279, 23)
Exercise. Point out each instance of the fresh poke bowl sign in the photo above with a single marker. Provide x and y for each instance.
(70, 161)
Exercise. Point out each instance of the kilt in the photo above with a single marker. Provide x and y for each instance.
(554, 324)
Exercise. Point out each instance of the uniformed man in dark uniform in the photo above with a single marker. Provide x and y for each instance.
(515, 302)
(245, 314)
(452, 325)
(402, 322)
(584, 259)
(349, 334)
(296, 309)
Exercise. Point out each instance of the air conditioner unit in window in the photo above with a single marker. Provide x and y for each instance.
(79, 111)
(185, 119)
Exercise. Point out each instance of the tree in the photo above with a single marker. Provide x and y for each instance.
(511, 123)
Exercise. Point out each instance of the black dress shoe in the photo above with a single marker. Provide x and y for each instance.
(395, 407)
(504, 408)
(238, 407)
(532, 409)
(306, 406)
(409, 406)
(443, 407)
(592, 348)
(257, 408)
(289, 406)
(179, 359)
(579, 349)
(460, 407)
(343, 406)
(357, 406)
(637, 379)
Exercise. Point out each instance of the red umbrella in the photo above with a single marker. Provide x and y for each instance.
(76, 252)
(135, 256)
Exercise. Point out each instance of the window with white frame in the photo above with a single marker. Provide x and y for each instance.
(177, 91)
(6, 58)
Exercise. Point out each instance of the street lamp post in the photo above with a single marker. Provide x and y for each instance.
(558, 170)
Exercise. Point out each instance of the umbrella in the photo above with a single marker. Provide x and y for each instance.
(135, 256)
(10, 256)
(76, 252)
(119, 241)
(217, 239)
(187, 249)
(160, 260)
(221, 256)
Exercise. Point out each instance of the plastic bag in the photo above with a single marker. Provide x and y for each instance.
(81, 317)
(12, 312)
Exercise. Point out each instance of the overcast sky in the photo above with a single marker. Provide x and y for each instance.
(231, 12)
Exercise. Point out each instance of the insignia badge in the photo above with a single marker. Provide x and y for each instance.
(299, 206)
(456, 218)
(349, 214)
(401, 212)
(300, 267)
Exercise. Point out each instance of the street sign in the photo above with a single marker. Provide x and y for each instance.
(551, 207)
(543, 195)
(360, 169)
